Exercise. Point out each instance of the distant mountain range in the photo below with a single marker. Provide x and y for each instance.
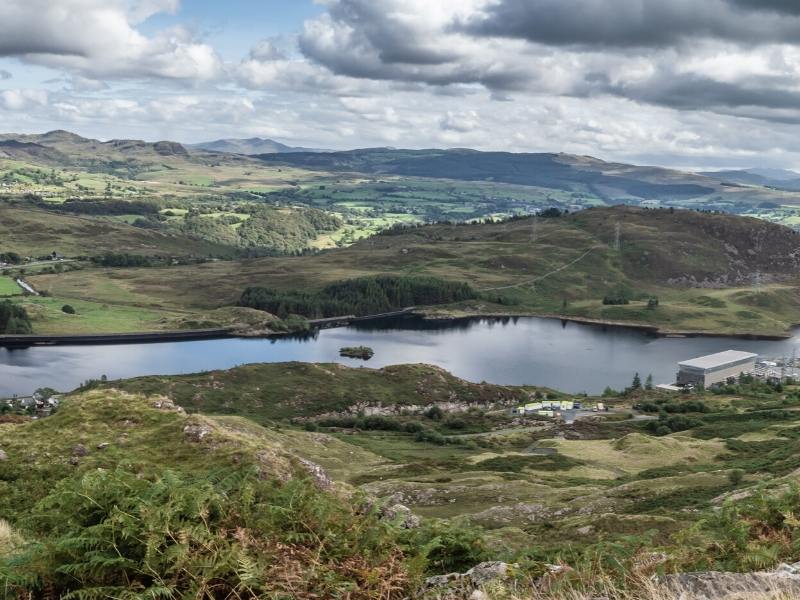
(570, 177)
(250, 146)
(776, 178)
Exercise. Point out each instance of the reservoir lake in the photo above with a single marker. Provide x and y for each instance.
(566, 356)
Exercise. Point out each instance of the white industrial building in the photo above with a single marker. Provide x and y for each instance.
(716, 368)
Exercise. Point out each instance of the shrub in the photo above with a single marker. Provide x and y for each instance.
(735, 477)
(14, 319)
(68, 309)
(116, 534)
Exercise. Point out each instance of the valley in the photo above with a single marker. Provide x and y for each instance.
(424, 446)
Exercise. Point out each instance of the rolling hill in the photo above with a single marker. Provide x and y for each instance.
(710, 272)
(611, 183)
(249, 146)
(224, 167)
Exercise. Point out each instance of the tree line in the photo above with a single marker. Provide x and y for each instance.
(360, 297)
(14, 319)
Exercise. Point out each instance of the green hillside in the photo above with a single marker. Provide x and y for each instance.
(708, 272)
(121, 491)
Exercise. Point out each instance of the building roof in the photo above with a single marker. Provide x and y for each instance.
(720, 359)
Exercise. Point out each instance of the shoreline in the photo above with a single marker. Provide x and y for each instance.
(654, 330)
(22, 341)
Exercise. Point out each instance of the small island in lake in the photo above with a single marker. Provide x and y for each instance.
(362, 352)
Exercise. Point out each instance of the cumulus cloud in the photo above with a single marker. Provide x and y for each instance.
(98, 38)
(637, 23)
(635, 80)
(17, 100)
(728, 56)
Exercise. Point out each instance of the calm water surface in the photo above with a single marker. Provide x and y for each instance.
(566, 356)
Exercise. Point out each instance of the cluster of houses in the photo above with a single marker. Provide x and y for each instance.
(39, 404)
(551, 408)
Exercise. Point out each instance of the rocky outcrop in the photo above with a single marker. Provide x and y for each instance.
(400, 514)
(196, 432)
(167, 405)
(321, 477)
(455, 586)
(784, 582)
(169, 149)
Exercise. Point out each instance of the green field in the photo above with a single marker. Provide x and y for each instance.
(9, 287)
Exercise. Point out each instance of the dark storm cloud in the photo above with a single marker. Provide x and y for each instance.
(636, 23)
(690, 92)
(783, 6)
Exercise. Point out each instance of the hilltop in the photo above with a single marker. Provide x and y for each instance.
(249, 146)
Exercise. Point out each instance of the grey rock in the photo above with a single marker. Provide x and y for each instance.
(439, 581)
(167, 405)
(196, 433)
(462, 586)
(487, 572)
(80, 450)
(103, 445)
(400, 512)
(74, 460)
(714, 585)
(321, 477)
(3, 455)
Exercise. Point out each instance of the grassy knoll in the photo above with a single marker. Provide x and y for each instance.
(242, 390)
(701, 267)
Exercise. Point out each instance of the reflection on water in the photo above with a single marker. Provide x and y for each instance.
(566, 356)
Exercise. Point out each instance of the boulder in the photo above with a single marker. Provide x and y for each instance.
(713, 585)
(3, 455)
(80, 450)
(465, 585)
(321, 477)
(167, 405)
(487, 572)
(196, 433)
(400, 512)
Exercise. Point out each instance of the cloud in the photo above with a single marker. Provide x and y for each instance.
(21, 100)
(99, 39)
(634, 23)
(4, 75)
(407, 41)
(461, 122)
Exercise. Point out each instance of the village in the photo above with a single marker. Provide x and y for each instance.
(42, 403)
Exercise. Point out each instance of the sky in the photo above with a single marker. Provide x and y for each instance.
(682, 83)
